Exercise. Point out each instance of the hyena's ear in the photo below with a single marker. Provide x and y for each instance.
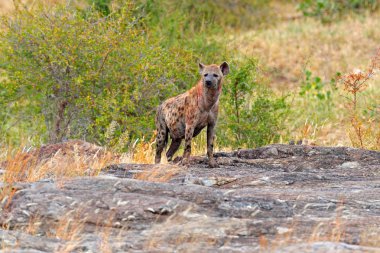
(225, 68)
(201, 67)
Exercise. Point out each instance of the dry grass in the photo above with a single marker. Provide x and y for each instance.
(69, 228)
(290, 47)
(184, 230)
(334, 230)
(57, 161)
(143, 151)
(160, 173)
(364, 133)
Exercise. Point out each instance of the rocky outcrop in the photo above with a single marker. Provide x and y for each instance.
(279, 198)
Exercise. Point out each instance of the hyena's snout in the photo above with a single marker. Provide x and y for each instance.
(211, 80)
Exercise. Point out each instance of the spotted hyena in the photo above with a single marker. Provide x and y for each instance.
(184, 116)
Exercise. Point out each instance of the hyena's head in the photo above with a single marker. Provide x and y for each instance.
(212, 75)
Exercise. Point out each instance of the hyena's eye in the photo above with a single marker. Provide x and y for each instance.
(205, 75)
(215, 75)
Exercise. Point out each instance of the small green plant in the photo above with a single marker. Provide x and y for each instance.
(314, 87)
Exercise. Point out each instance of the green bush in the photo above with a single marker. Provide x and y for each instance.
(99, 72)
(251, 115)
(74, 72)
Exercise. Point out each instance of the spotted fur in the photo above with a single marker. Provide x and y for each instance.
(184, 116)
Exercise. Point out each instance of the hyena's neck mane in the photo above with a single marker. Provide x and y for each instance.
(207, 98)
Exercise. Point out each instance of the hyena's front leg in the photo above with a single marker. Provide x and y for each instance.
(210, 145)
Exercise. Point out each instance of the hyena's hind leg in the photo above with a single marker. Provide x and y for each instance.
(162, 135)
(174, 146)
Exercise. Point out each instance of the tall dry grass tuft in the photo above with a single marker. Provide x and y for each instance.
(143, 151)
(365, 130)
(18, 167)
(160, 173)
(56, 161)
(308, 132)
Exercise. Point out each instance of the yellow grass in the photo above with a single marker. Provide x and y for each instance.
(160, 173)
(59, 163)
(65, 162)
(70, 226)
(143, 151)
(290, 47)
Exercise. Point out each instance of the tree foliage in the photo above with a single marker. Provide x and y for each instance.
(98, 73)
(76, 71)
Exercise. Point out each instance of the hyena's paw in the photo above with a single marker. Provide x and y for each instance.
(177, 160)
(185, 162)
(213, 164)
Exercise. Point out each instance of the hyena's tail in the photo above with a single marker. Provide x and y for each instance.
(162, 134)
(161, 126)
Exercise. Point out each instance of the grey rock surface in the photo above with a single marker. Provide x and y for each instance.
(279, 198)
(326, 247)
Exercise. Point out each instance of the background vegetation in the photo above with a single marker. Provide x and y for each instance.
(96, 70)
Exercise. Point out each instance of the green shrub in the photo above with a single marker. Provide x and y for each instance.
(251, 115)
(98, 73)
(74, 72)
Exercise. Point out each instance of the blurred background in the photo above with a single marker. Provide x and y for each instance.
(96, 70)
